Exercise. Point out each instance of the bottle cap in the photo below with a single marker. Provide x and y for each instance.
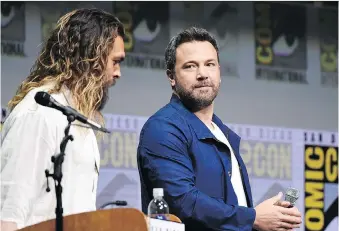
(158, 192)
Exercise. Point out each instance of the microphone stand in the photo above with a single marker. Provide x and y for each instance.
(57, 174)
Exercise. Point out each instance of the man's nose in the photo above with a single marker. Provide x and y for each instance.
(117, 72)
(202, 73)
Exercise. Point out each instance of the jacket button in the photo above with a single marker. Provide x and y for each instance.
(229, 173)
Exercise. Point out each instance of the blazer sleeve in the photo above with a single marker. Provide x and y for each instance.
(165, 162)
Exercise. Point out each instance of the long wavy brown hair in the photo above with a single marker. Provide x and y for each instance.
(75, 55)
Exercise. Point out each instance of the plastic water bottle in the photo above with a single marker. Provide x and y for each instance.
(158, 207)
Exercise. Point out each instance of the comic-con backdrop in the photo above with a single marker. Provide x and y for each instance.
(280, 59)
(279, 90)
(276, 158)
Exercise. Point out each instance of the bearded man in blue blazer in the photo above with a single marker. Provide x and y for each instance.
(187, 150)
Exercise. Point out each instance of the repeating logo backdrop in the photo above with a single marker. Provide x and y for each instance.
(13, 29)
(280, 44)
(212, 16)
(328, 38)
(276, 158)
(268, 155)
(119, 178)
(50, 13)
(147, 32)
(321, 181)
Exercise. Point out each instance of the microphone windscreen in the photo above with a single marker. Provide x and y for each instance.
(42, 98)
(292, 195)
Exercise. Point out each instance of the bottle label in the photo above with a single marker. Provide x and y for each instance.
(159, 216)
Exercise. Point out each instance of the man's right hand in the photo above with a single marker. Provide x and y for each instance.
(271, 217)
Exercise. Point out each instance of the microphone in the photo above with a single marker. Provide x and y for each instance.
(118, 203)
(45, 99)
(292, 196)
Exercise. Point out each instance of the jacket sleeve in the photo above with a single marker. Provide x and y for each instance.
(165, 162)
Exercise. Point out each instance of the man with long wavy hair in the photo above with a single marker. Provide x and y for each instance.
(79, 62)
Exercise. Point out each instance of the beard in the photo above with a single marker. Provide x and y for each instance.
(105, 95)
(196, 99)
(104, 99)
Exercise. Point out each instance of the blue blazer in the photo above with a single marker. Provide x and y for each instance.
(178, 153)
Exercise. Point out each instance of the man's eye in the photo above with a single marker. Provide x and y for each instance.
(189, 66)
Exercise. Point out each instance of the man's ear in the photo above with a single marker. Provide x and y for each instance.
(170, 76)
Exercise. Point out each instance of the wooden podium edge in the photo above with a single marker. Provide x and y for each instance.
(123, 219)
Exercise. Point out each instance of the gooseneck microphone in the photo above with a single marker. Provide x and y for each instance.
(117, 203)
(45, 99)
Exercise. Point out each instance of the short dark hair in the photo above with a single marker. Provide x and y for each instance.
(188, 35)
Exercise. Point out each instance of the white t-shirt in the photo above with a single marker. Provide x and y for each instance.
(236, 177)
(30, 136)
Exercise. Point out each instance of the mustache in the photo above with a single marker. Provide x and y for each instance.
(203, 84)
